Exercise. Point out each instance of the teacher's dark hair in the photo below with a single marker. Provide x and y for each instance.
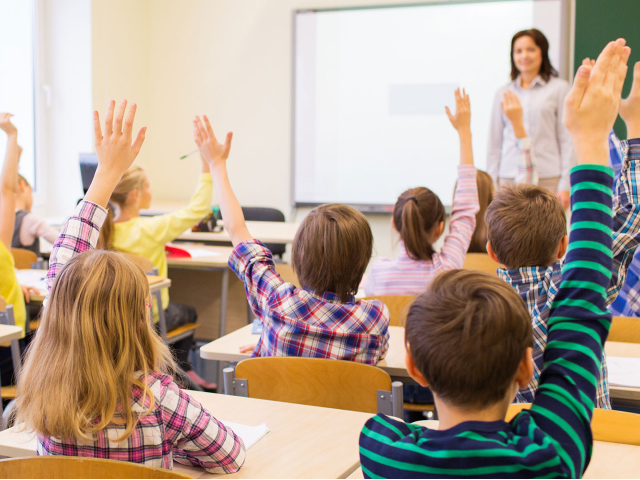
(546, 69)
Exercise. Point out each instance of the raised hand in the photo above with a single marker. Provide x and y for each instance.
(630, 106)
(212, 151)
(6, 125)
(115, 151)
(462, 119)
(591, 106)
(513, 111)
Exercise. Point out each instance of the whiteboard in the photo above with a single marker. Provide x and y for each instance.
(370, 86)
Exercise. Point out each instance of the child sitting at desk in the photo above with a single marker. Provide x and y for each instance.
(469, 337)
(95, 382)
(331, 250)
(147, 236)
(29, 227)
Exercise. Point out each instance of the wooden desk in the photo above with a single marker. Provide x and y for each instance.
(609, 460)
(303, 442)
(226, 349)
(9, 332)
(267, 232)
(155, 283)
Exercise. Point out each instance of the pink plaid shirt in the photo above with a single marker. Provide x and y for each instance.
(405, 276)
(299, 323)
(177, 427)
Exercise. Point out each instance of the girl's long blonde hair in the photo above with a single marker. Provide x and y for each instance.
(133, 179)
(94, 338)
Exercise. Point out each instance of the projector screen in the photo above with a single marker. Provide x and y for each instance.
(371, 86)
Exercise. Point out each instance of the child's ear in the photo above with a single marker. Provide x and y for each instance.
(562, 248)
(393, 224)
(491, 253)
(413, 371)
(133, 196)
(524, 373)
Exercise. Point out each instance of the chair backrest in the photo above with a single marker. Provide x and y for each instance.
(398, 306)
(607, 425)
(7, 318)
(144, 263)
(265, 214)
(23, 258)
(624, 329)
(315, 381)
(480, 261)
(55, 466)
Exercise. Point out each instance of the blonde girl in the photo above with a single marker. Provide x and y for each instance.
(95, 380)
(146, 236)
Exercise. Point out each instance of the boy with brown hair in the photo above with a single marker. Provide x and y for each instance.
(331, 251)
(469, 337)
(526, 232)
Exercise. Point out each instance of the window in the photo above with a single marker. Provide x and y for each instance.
(17, 78)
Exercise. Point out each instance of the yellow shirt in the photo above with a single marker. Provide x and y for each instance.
(10, 288)
(146, 236)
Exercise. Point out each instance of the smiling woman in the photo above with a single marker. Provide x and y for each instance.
(542, 94)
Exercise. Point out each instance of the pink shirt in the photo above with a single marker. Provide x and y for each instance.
(404, 276)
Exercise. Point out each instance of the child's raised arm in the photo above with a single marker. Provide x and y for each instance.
(115, 154)
(216, 154)
(461, 121)
(9, 180)
(579, 321)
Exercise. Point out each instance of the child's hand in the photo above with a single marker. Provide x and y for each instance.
(591, 106)
(213, 152)
(6, 125)
(630, 106)
(462, 119)
(247, 348)
(513, 111)
(115, 151)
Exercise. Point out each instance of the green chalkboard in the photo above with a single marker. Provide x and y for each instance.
(600, 21)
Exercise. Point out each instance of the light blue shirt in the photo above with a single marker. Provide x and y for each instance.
(542, 105)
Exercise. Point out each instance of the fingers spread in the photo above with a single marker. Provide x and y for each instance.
(108, 119)
(137, 145)
(128, 123)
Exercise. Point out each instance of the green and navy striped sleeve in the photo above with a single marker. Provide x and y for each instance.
(579, 323)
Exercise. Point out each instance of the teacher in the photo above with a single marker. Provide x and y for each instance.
(542, 95)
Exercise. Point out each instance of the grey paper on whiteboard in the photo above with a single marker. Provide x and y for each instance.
(421, 99)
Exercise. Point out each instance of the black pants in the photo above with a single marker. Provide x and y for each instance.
(177, 315)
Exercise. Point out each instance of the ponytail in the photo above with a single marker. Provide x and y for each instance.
(106, 232)
(417, 212)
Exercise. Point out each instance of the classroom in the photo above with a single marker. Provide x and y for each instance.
(319, 239)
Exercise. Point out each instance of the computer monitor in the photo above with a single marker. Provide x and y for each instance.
(88, 166)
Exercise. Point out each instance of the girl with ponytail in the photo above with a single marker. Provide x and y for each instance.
(419, 218)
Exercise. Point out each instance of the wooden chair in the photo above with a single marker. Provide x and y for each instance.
(607, 425)
(398, 306)
(25, 259)
(480, 261)
(319, 382)
(624, 329)
(9, 392)
(55, 466)
(168, 336)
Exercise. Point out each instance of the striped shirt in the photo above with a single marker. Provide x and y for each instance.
(177, 427)
(300, 323)
(405, 276)
(538, 286)
(553, 438)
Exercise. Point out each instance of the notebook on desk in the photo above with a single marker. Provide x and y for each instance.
(624, 371)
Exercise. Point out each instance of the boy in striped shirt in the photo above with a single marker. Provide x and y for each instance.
(469, 337)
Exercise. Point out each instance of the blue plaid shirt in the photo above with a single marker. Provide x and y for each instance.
(628, 301)
(538, 286)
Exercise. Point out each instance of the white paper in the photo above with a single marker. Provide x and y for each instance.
(200, 252)
(249, 435)
(624, 371)
(33, 278)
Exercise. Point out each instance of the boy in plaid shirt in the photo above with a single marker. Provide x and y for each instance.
(331, 251)
(526, 231)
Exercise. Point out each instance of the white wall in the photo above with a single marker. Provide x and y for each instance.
(65, 128)
(230, 59)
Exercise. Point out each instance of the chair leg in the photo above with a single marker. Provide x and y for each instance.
(397, 399)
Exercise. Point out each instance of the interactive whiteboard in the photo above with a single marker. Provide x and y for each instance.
(371, 84)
